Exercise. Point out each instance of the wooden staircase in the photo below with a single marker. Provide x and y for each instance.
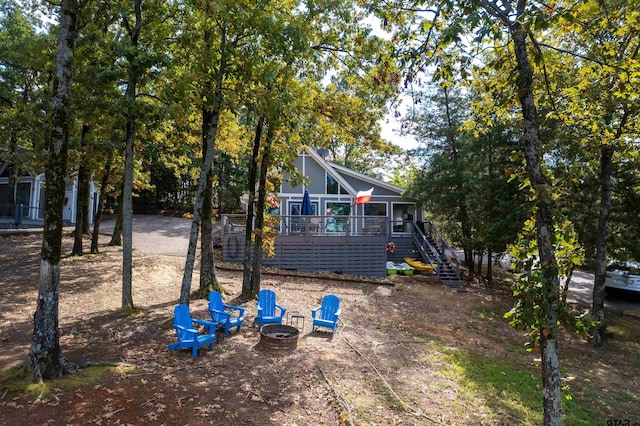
(434, 249)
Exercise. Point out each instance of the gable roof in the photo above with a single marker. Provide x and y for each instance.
(368, 179)
(329, 168)
(339, 172)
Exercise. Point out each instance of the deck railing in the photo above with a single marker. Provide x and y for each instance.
(336, 225)
(19, 216)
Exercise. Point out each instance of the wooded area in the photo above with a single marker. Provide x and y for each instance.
(526, 115)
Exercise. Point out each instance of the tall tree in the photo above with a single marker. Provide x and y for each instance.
(208, 280)
(134, 69)
(600, 42)
(216, 99)
(443, 25)
(512, 19)
(82, 198)
(45, 356)
(247, 271)
(101, 206)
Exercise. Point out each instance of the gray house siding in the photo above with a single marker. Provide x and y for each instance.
(316, 175)
(362, 255)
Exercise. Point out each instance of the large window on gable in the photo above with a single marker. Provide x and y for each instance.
(332, 185)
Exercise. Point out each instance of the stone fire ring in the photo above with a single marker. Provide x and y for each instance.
(278, 337)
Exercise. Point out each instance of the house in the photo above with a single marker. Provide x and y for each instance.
(28, 194)
(340, 235)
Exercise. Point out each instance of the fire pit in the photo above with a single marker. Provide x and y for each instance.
(278, 337)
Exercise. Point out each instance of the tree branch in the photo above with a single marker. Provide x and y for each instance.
(494, 10)
(585, 57)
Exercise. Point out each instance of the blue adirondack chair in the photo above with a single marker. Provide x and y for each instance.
(329, 313)
(188, 337)
(268, 309)
(223, 313)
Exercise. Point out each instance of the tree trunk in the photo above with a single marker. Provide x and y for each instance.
(247, 290)
(597, 308)
(204, 173)
(489, 266)
(86, 191)
(468, 260)
(552, 395)
(116, 236)
(262, 196)
(98, 219)
(208, 280)
(81, 199)
(45, 356)
(127, 193)
(15, 169)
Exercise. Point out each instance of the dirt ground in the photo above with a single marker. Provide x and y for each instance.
(378, 368)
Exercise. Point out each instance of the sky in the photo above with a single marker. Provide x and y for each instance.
(391, 132)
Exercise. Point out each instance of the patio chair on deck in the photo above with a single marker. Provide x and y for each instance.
(189, 337)
(223, 313)
(329, 313)
(268, 309)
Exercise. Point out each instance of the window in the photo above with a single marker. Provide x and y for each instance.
(296, 207)
(332, 185)
(375, 209)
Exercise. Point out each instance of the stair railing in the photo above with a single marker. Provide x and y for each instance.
(447, 252)
(426, 250)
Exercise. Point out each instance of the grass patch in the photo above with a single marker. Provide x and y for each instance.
(625, 329)
(486, 312)
(17, 380)
(502, 393)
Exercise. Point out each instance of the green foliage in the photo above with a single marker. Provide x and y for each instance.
(465, 180)
(535, 297)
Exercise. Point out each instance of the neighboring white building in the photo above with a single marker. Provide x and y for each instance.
(30, 192)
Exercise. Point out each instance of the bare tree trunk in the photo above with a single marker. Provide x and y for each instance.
(45, 355)
(98, 219)
(204, 173)
(551, 390)
(468, 260)
(13, 177)
(262, 196)
(247, 290)
(81, 199)
(208, 280)
(86, 191)
(127, 193)
(489, 266)
(597, 308)
(116, 235)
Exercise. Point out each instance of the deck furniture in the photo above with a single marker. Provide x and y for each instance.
(188, 336)
(269, 312)
(227, 316)
(327, 313)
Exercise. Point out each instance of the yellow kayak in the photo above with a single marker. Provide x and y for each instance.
(419, 266)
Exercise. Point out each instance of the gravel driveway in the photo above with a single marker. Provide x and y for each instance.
(157, 234)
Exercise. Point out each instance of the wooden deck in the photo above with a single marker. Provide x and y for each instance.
(353, 245)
